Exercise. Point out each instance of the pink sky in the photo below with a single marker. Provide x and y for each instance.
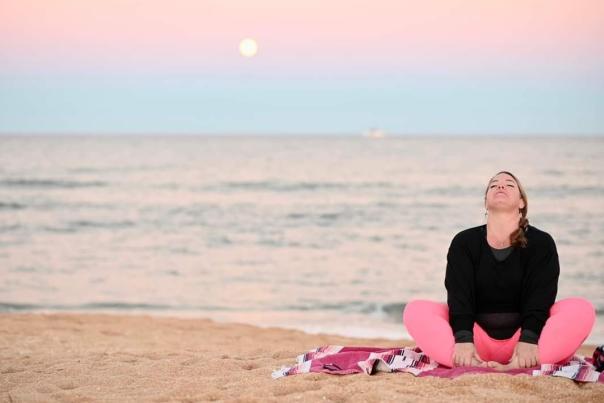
(306, 36)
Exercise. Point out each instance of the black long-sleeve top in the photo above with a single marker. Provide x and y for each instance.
(525, 283)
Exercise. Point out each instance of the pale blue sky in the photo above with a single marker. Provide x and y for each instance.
(298, 105)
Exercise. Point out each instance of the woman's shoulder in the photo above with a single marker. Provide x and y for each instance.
(538, 237)
(471, 234)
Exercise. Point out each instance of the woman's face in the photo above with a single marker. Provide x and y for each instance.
(503, 194)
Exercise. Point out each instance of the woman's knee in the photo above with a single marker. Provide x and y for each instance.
(576, 307)
(421, 308)
(577, 312)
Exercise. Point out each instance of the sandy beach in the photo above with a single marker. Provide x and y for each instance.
(101, 357)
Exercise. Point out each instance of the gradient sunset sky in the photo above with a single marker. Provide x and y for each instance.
(323, 67)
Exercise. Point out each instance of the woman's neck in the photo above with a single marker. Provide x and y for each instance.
(499, 228)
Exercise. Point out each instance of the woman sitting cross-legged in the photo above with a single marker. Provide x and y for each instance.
(501, 281)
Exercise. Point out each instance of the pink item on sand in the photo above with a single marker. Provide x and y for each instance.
(570, 322)
(341, 360)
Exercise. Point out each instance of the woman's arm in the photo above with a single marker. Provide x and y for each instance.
(540, 289)
(459, 282)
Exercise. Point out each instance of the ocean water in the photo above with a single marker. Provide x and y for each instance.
(318, 233)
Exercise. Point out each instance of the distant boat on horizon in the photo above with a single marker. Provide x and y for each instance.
(374, 133)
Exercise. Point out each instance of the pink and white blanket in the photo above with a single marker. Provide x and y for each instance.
(340, 360)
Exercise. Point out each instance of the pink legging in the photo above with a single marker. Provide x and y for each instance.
(570, 322)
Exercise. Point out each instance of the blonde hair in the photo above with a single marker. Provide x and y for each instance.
(517, 238)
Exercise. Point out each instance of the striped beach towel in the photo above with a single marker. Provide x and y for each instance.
(341, 360)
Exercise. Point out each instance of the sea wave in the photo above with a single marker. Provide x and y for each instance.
(11, 206)
(294, 186)
(100, 306)
(74, 226)
(49, 183)
(391, 311)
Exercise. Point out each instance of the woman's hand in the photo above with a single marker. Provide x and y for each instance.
(465, 355)
(527, 355)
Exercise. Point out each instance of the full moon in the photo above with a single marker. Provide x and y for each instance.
(248, 47)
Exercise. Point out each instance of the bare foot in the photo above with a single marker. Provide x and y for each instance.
(476, 363)
(497, 366)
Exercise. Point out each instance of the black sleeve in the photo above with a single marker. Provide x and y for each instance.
(459, 282)
(540, 289)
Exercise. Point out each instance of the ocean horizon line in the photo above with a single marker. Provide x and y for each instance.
(272, 134)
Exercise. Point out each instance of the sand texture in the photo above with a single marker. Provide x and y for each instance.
(99, 357)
